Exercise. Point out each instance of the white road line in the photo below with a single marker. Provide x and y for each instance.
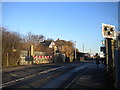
(20, 79)
(77, 76)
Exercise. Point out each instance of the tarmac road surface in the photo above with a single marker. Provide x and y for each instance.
(53, 76)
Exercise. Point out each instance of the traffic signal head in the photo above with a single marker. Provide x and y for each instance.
(108, 31)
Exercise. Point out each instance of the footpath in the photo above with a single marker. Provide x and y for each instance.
(93, 79)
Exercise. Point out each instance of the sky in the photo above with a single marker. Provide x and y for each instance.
(75, 21)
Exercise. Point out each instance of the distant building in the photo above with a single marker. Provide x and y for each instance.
(58, 55)
(50, 44)
(82, 56)
(25, 59)
(23, 56)
(37, 53)
(59, 45)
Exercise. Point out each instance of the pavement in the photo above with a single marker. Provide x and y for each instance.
(93, 78)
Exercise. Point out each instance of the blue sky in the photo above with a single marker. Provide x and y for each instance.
(76, 21)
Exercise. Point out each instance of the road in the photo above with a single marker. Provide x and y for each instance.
(44, 76)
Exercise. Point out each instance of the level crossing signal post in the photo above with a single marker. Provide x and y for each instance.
(109, 58)
(108, 32)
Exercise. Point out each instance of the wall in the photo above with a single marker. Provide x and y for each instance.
(117, 68)
(59, 58)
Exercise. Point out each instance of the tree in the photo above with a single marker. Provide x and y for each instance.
(44, 47)
(32, 39)
(67, 49)
(10, 47)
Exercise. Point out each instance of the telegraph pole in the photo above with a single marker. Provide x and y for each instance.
(7, 60)
(75, 50)
(83, 48)
(90, 51)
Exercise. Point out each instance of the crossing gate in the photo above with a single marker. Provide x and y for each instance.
(41, 59)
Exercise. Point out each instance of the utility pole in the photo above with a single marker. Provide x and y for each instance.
(90, 51)
(75, 50)
(83, 48)
(7, 59)
(31, 53)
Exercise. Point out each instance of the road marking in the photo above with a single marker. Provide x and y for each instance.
(13, 75)
(20, 79)
(83, 67)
